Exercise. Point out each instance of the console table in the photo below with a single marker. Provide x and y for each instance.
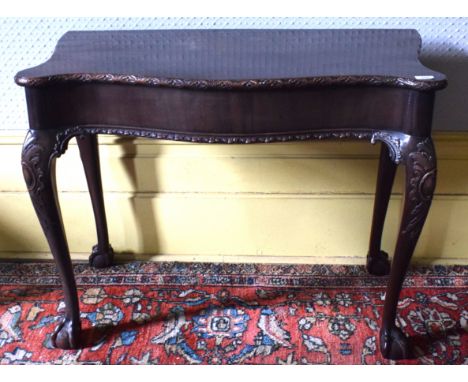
(234, 86)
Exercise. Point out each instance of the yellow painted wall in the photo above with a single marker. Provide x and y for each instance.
(308, 202)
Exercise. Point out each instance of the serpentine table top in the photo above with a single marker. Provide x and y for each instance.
(238, 59)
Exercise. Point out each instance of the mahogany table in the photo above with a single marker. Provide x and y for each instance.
(234, 86)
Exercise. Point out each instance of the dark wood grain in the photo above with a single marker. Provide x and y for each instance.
(233, 59)
(220, 116)
(377, 260)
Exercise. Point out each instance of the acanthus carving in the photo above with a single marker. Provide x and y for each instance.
(421, 172)
(396, 142)
(36, 161)
(64, 136)
(200, 84)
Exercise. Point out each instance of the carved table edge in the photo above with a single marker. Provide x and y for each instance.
(200, 84)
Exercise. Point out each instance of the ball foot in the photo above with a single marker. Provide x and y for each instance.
(67, 335)
(378, 264)
(101, 259)
(395, 345)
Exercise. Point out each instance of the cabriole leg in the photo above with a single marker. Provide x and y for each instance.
(102, 254)
(377, 260)
(420, 161)
(38, 162)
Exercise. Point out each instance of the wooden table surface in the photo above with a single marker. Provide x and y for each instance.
(238, 58)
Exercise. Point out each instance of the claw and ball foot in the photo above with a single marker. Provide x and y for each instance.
(100, 258)
(378, 264)
(67, 335)
(394, 344)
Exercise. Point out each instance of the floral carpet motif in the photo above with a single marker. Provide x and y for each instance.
(206, 313)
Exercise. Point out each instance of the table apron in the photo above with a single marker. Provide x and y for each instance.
(241, 112)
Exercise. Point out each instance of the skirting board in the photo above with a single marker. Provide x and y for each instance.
(125, 258)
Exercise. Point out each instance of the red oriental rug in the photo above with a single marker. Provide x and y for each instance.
(205, 313)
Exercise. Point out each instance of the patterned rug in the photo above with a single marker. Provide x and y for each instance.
(205, 313)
